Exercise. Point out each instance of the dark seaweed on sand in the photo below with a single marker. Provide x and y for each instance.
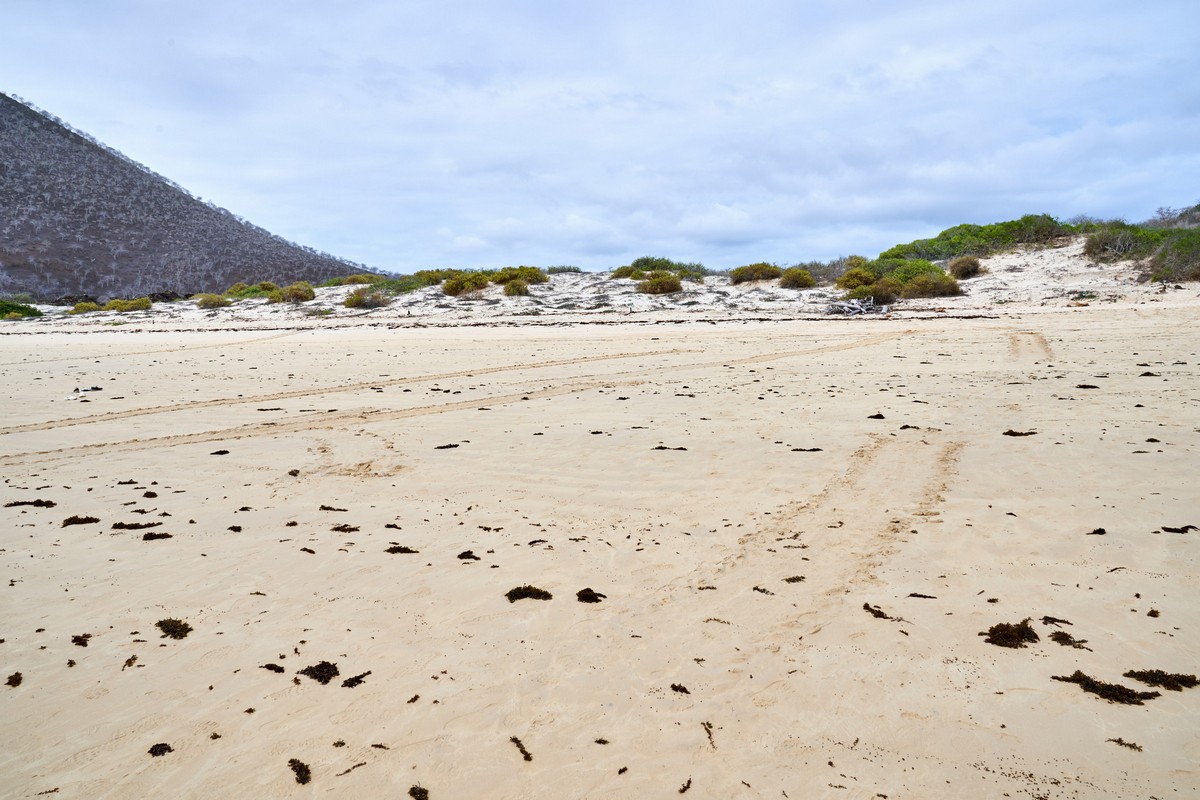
(1006, 634)
(14, 680)
(153, 535)
(161, 749)
(303, 773)
(74, 519)
(400, 549)
(1067, 640)
(527, 592)
(322, 672)
(1011, 432)
(350, 683)
(679, 687)
(525, 754)
(134, 526)
(272, 667)
(1171, 681)
(173, 628)
(35, 503)
(589, 596)
(875, 611)
(81, 640)
(1112, 692)
(418, 793)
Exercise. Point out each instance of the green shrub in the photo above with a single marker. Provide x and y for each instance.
(964, 267)
(982, 240)
(366, 297)
(267, 286)
(882, 291)
(84, 308)
(530, 275)
(1178, 259)
(299, 292)
(628, 272)
(464, 282)
(516, 288)
(125, 306)
(856, 277)
(237, 288)
(754, 272)
(11, 310)
(562, 270)
(797, 278)
(909, 269)
(208, 301)
(930, 285)
(660, 283)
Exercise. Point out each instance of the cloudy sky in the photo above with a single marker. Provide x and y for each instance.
(411, 134)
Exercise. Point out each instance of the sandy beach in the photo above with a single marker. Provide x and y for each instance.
(794, 532)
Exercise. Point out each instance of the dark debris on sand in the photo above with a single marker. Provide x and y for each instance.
(527, 592)
(1171, 681)
(301, 770)
(161, 749)
(1006, 634)
(1112, 692)
(322, 672)
(589, 596)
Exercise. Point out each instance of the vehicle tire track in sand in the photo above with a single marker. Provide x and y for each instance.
(367, 386)
(1020, 343)
(160, 351)
(325, 422)
(298, 393)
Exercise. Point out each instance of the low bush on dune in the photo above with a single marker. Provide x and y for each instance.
(1178, 259)
(983, 240)
(363, 278)
(125, 306)
(465, 282)
(882, 291)
(927, 285)
(530, 275)
(366, 297)
(660, 283)
(299, 292)
(209, 301)
(642, 268)
(516, 288)
(856, 277)
(754, 272)
(85, 307)
(563, 270)
(797, 278)
(11, 310)
(964, 267)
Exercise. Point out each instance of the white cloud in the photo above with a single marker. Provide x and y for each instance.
(406, 136)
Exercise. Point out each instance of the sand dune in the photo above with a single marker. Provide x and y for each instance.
(799, 528)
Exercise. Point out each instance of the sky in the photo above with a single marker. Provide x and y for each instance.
(411, 135)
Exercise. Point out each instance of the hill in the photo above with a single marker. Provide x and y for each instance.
(78, 218)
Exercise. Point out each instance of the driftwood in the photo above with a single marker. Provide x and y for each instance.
(855, 307)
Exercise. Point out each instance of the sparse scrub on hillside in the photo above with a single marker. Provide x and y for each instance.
(1178, 259)
(964, 267)
(660, 282)
(210, 301)
(530, 275)
(352, 280)
(11, 310)
(299, 292)
(754, 272)
(563, 270)
(366, 297)
(797, 278)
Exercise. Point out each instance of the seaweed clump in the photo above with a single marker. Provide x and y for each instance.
(75, 519)
(303, 773)
(1171, 681)
(173, 628)
(14, 680)
(1006, 634)
(322, 673)
(350, 683)
(399, 548)
(525, 754)
(527, 592)
(160, 749)
(418, 793)
(589, 596)
(1112, 692)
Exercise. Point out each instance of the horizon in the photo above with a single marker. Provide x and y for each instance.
(404, 141)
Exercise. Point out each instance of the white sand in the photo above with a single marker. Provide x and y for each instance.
(793, 689)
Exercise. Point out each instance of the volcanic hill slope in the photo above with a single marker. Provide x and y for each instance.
(79, 219)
